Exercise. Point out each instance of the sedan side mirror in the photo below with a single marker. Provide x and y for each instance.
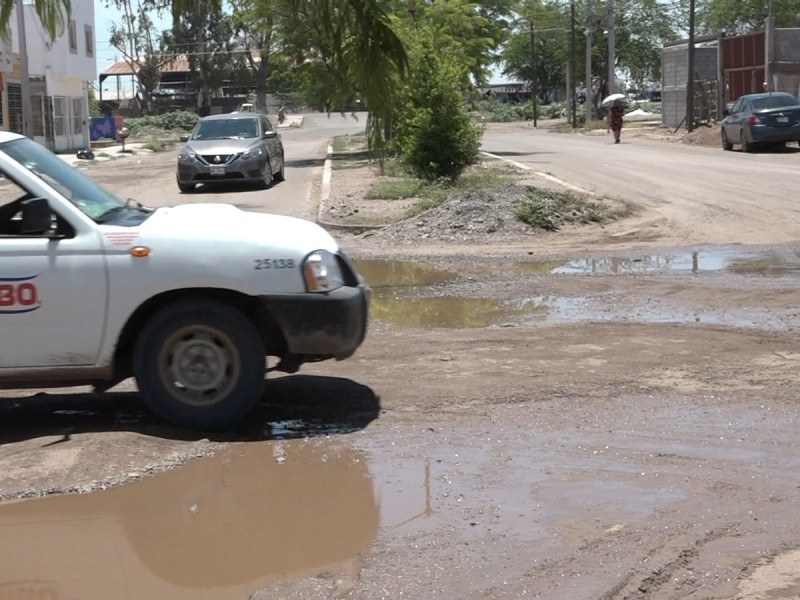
(270, 134)
(184, 138)
(725, 112)
(36, 216)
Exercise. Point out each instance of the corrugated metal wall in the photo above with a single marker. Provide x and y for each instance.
(743, 60)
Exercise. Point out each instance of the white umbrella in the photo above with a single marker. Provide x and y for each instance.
(613, 98)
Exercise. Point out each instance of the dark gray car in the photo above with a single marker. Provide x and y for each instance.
(236, 147)
(755, 119)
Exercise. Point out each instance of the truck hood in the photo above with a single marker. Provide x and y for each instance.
(224, 223)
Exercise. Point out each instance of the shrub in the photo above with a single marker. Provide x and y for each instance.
(180, 120)
(436, 137)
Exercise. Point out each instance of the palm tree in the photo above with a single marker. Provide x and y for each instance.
(54, 15)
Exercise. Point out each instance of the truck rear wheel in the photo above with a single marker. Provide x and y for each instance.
(200, 364)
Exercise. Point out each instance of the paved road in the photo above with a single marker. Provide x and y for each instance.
(150, 179)
(704, 191)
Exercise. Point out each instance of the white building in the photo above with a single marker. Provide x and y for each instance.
(60, 72)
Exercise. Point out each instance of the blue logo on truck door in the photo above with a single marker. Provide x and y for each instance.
(18, 295)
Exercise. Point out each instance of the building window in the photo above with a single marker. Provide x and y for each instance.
(59, 115)
(77, 115)
(89, 34)
(73, 36)
(15, 108)
(37, 115)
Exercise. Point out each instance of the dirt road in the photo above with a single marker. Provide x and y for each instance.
(602, 412)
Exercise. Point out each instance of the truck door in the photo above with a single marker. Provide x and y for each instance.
(53, 290)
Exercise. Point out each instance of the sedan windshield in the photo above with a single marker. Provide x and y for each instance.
(223, 129)
(776, 101)
(83, 192)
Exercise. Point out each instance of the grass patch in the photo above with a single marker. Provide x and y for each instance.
(550, 210)
(156, 145)
(640, 125)
(395, 189)
(344, 143)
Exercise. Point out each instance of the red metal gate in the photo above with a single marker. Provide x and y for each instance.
(743, 59)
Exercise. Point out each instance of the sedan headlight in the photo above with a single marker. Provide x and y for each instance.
(321, 272)
(254, 153)
(185, 156)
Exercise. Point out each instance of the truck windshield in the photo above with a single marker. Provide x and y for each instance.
(68, 181)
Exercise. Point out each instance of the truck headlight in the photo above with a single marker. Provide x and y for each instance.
(321, 272)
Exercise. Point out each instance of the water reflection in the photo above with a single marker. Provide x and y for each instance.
(705, 261)
(215, 528)
(398, 273)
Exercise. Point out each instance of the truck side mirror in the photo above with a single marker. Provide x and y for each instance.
(37, 217)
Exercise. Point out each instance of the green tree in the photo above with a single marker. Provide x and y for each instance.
(476, 29)
(53, 14)
(742, 16)
(355, 44)
(643, 27)
(435, 134)
(207, 40)
(551, 39)
(140, 44)
(255, 24)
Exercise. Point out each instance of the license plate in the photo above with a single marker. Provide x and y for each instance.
(783, 119)
(218, 170)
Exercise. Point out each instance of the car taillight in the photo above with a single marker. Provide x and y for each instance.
(753, 118)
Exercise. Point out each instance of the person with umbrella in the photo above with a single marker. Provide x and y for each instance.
(616, 104)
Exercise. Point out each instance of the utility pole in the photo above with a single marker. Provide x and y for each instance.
(770, 42)
(612, 57)
(588, 100)
(24, 76)
(690, 75)
(573, 108)
(534, 90)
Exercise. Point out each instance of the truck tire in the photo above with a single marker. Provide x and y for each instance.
(200, 364)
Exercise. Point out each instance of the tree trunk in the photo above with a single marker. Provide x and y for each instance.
(261, 84)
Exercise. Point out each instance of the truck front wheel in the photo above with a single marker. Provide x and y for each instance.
(200, 364)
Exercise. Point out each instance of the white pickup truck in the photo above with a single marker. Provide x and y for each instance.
(190, 300)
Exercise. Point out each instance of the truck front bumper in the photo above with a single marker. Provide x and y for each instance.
(321, 326)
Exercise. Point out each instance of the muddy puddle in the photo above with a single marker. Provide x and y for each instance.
(215, 528)
(416, 294)
(280, 511)
(311, 513)
(702, 261)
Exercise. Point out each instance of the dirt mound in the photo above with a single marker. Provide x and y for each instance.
(492, 213)
(704, 135)
(475, 214)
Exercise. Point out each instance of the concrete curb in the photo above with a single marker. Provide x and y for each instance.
(542, 174)
(325, 195)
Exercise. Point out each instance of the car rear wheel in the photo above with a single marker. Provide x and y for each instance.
(746, 146)
(186, 188)
(726, 144)
(200, 364)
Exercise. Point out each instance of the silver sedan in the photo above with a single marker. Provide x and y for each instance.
(235, 147)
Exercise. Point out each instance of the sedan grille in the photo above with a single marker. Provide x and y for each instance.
(216, 159)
